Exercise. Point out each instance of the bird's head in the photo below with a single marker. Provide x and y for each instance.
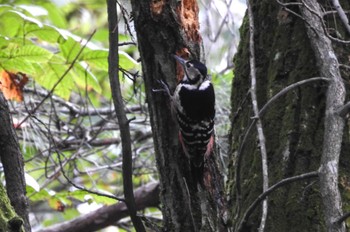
(195, 71)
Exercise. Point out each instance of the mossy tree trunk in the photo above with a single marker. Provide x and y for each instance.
(13, 165)
(293, 125)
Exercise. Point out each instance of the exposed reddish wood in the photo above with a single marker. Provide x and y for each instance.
(184, 53)
(157, 6)
(187, 10)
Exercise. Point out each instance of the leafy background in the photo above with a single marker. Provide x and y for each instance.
(70, 139)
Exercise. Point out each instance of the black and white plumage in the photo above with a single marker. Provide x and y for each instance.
(194, 103)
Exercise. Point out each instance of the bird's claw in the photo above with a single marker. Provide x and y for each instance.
(164, 88)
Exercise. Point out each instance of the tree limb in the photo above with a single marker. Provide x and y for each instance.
(113, 70)
(334, 124)
(145, 196)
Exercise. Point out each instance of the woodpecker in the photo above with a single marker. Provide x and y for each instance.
(194, 104)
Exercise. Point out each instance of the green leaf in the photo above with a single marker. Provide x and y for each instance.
(85, 78)
(97, 59)
(70, 49)
(51, 73)
(30, 181)
(21, 58)
(32, 53)
(45, 33)
(126, 61)
(4, 42)
(18, 65)
(37, 196)
(9, 18)
(55, 14)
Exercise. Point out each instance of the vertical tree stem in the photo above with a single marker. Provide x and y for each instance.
(334, 123)
(259, 127)
(113, 70)
(13, 164)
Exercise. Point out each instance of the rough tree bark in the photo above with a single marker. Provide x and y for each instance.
(328, 66)
(12, 161)
(165, 28)
(294, 125)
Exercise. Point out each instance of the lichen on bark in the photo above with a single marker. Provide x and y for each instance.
(9, 221)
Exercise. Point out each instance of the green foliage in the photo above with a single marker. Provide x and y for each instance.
(50, 54)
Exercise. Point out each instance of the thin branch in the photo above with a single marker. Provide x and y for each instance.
(285, 5)
(113, 70)
(80, 187)
(259, 126)
(342, 218)
(127, 43)
(319, 16)
(61, 169)
(78, 110)
(287, 89)
(344, 110)
(92, 143)
(262, 196)
(342, 15)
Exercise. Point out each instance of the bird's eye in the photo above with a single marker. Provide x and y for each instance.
(188, 65)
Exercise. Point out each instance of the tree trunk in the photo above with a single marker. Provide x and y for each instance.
(165, 28)
(12, 161)
(293, 125)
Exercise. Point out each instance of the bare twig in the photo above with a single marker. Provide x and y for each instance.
(285, 5)
(262, 196)
(344, 110)
(343, 218)
(113, 70)
(80, 187)
(259, 126)
(287, 89)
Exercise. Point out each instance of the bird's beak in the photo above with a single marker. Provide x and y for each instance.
(180, 60)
